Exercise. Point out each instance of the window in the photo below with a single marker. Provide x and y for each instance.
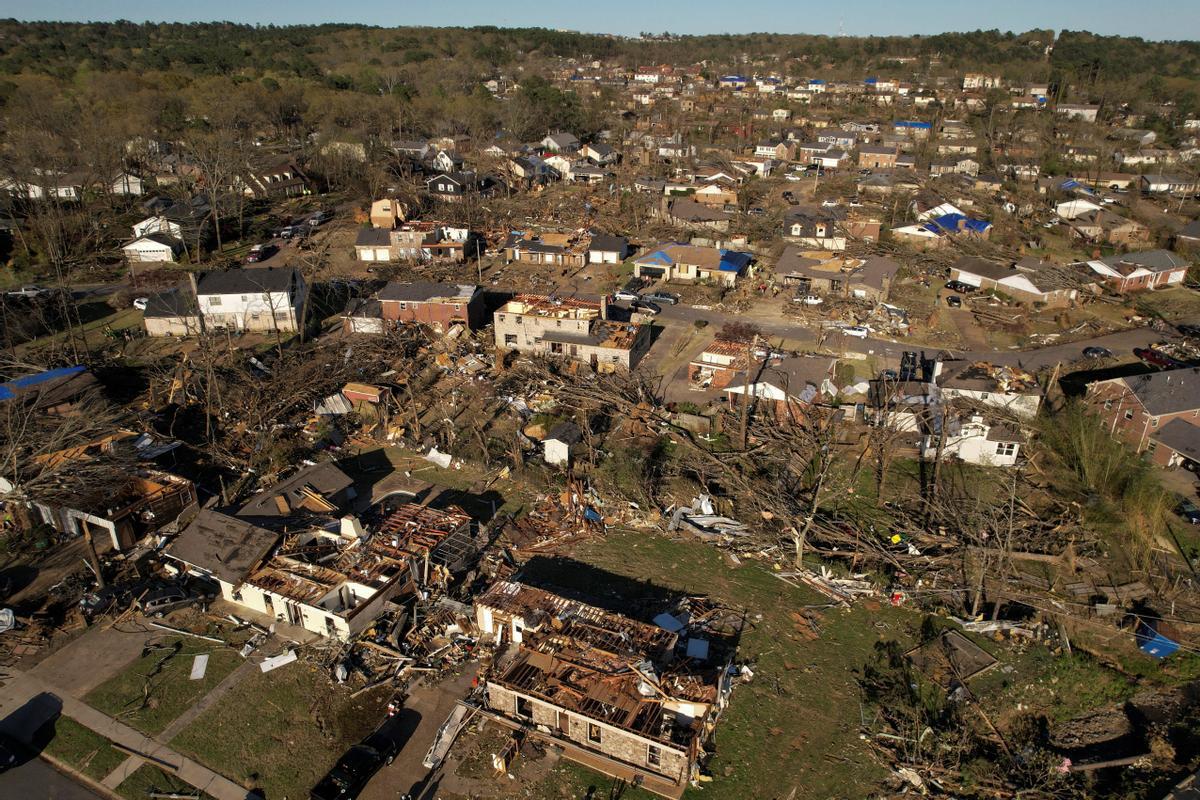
(1108, 404)
(214, 301)
(1129, 414)
(524, 707)
(1151, 445)
(403, 306)
(653, 755)
(1006, 449)
(245, 298)
(1154, 422)
(593, 733)
(510, 340)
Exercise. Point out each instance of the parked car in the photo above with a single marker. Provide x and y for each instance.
(1155, 358)
(756, 211)
(27, 291)
(662, 297)
(791, 176)
(1188, 510)
(864, 172)
(287, 232)
(960, 287)
(857, 331)
(11, 752)
(626, 294)
(791, 199)
(141, 303)
(1095, 351)
(645, 308)
(1189, 330)
(954, 301)
(162, 601)
(808, 299)
(319, 218)
(829, 204)
(386, 745)
(260, 252)
(855, 202)
(349, 775)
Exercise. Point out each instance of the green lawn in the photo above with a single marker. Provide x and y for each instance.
(795, 725)
(171, 691)
(83, 749)
(148, 778)
(280, 731)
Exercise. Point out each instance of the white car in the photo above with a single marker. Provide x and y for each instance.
(791, 176)
(808, 300)
(829, 204)
(141, 303)
(626, 294)
(857, 331)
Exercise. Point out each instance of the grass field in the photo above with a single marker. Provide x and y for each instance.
(280, 731)
(148, 777)
(171, 692)
(795, 725)
(83, 749)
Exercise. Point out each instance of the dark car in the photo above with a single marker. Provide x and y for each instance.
(791, 199)
(260, 252)
(954, 301)
(1187, 509)
(11, 753)
(1096, 351)
(387, 746)
(349, 775)
(645, 308)
(157, 602)
(1190, 330)
(319, 218)
(661, 297)
(960, 287)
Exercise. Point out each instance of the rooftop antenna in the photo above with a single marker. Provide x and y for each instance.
(842, 27)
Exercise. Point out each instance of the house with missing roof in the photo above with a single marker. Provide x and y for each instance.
(333, 580)
(937, 225)
(635, 700)
(677, 261)
(438, 305)
(972, 438)
(1134, 272)
(836, 275)
(576, 328)
(1138, 409)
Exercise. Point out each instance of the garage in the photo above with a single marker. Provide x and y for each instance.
(654, 273)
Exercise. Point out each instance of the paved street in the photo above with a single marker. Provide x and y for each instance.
(37, 780)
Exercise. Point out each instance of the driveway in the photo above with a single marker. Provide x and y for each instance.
(433, 703)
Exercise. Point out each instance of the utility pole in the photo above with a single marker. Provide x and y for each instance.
(745, 410)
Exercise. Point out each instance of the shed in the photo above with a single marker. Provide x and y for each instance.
(559, 441)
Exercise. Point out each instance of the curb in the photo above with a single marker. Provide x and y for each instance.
(79, 777)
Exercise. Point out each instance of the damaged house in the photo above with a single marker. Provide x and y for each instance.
(573, 327)
(333, 582)
(633, 700)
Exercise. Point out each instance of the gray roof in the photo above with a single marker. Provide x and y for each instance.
(1153, 260)
(248, 281)
(171, 303)
(603, 242)
(1181, 436)
(325, 478)
(875, 269)
(222, 545)
(424, 291)
(1191, 230)
(1167, 392)
(984, 268)
(566, 432)
(373, 237)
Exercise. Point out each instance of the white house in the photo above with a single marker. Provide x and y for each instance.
(263, 299)
(153, 247)
(126, 184)
(974, 440)
(559, 441)
(158, 225)
(561, 143)
(1074, 208)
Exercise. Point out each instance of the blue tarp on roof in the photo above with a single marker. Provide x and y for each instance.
(949, 223)
(815, 81)
(9, 390)
(734, 261)
(660, 256)
(912, 124)
(733, 78)
(870, 80)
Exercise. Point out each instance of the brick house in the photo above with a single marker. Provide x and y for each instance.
(1132, 272)
(561, 682)
(718, 364)
(1138, 407)
(877, 157)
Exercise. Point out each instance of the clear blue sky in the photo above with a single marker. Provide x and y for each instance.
(1151, 19)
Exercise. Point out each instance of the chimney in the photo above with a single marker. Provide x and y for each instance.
(352, 528)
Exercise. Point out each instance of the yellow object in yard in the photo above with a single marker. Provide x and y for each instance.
(895, 538)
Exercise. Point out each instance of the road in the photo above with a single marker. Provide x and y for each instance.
(37, 780)
(1120, 343)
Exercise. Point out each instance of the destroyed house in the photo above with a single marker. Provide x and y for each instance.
(330, 582)
(993, 386)
(54, 392)
(634, 700)
(315, 490)
(559, 249)
(438, 305)
(570, 327)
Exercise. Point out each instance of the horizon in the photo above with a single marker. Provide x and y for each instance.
(1157, 20)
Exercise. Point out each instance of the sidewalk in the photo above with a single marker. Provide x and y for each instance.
(24, 687)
